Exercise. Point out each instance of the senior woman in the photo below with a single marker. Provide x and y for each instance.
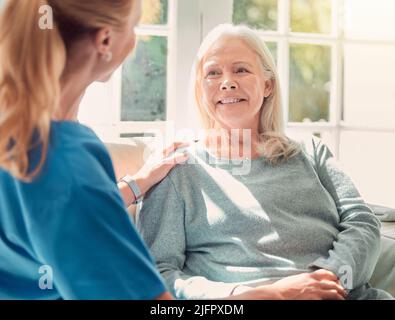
(64, 229)
(292, 226)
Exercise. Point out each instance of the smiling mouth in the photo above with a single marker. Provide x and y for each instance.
(229, 101)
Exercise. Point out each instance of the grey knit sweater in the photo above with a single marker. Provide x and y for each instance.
(211, 224)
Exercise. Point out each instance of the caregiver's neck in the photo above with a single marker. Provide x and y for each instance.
(77, 76)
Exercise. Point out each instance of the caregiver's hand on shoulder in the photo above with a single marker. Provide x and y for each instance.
(157, 169)
(154, 170)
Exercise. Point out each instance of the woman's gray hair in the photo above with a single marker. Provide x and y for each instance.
(274, 145)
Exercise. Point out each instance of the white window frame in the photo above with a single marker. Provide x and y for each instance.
(137, 127)
(283, 37)
(190, 20)
(183, 31)
(335, 40)
(112, 129)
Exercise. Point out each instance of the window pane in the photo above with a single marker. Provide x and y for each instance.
(144, 81)
(310, 67)
(370, 19)
(369, 86)
(154, 12)
(311, 16)
(369, 157)
(260, 14)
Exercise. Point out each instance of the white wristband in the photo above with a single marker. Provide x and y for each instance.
(134, 187)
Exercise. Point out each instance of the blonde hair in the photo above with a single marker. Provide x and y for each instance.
(274, 145)
(32, 61)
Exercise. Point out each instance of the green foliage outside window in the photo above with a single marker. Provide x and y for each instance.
(312, 16)
(259, 14)
(144, 81)
(310, 65)
(309, 82)
(154, 12)
(144, 74)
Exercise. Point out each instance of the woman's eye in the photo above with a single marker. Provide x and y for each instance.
(241, 70)
(213, 73)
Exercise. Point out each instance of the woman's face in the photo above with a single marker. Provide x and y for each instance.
(233, 84)
(123, 43)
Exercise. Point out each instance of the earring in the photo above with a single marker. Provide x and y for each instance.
(107, 56)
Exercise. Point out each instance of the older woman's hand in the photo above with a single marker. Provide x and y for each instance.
(318, 285)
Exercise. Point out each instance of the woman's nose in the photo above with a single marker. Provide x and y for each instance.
(228, 85)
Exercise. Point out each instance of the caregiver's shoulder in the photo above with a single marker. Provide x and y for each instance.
(80, 154)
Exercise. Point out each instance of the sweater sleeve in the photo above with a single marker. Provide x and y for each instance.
(161, 222)
(356, 249)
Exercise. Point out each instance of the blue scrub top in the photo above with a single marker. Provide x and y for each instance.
(67, 235)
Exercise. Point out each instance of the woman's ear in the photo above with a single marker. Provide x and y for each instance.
(103, 41)
(269, 85)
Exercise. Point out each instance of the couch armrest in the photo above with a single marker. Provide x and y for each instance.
(126, 158)
(387, 217)
(384, 273)
(388, 229)
(383, 213)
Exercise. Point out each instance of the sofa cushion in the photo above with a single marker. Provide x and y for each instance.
(126, 158)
